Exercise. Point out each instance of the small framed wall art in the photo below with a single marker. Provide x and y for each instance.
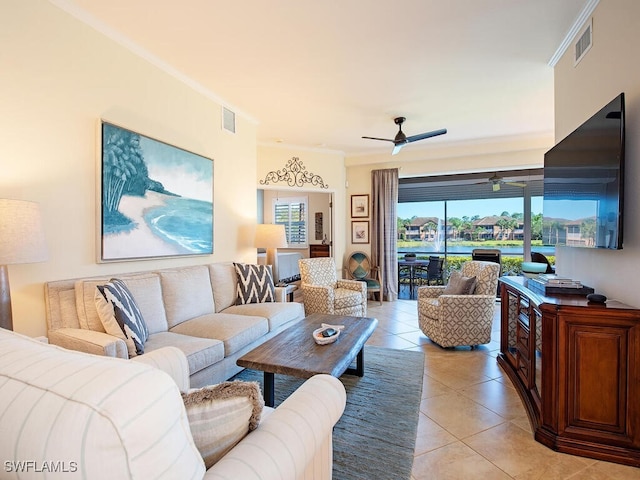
(359, 206)
(360, 232)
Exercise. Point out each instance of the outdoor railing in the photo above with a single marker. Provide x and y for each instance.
(511, 263)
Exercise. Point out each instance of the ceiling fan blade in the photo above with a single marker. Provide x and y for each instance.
(401, 139)
(397, 148)
(422, 136)
(383, 139)
(516, 184)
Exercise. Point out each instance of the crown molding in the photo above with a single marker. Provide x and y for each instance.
(70, 7)
(291, 146)
(583, 16)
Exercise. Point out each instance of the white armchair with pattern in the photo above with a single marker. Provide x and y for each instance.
(323, 292)
(455, 320)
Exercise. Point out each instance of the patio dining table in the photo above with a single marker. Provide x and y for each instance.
(410, 267)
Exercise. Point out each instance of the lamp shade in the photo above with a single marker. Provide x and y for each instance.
(270, 236)
(21, 233)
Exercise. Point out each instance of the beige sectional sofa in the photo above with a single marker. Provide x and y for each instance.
(191, 308)
(66, 414)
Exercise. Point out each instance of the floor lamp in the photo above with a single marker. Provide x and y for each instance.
(21, 241)
(271, 237)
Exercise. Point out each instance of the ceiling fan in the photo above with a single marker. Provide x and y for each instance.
(496, 181)
(401, 139)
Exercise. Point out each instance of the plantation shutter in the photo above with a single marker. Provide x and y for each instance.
(292, 213)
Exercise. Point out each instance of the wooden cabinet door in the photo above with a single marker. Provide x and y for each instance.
(509, 322)
(597, 361)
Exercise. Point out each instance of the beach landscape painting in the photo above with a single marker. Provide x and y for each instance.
(157, 199)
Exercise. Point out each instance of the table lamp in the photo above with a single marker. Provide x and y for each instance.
(21, 241)
(271, 237)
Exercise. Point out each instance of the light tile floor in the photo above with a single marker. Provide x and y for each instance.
(472, 422)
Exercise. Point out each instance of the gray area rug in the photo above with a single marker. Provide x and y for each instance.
(375, 437)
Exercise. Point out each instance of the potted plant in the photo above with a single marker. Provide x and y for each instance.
(409, 257)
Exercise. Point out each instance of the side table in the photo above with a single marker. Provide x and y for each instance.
(289, 289)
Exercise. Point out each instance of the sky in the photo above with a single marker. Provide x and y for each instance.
(460, 208)
(571, 209)
(181, 172)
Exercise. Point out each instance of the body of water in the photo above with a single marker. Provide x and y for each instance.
(184, 222)
(466, 250)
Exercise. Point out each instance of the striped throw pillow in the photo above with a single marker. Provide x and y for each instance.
(121, 316)
(221, 415)
(255, 284)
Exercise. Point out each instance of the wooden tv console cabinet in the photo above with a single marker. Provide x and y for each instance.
(576, 366)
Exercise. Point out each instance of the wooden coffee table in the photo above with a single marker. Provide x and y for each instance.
(294, 352)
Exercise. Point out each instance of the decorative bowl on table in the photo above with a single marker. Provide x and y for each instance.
(409, 257)
(327, 333)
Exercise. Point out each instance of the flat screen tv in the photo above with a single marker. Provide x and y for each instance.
(584, 183)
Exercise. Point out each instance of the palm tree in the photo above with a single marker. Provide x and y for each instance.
(455, 223)
(124, 173)
(467, 226)
(402, 224)
(536, 227)
(503, 224)
(431, 227)
(554, 226)
(512, 224)
(588, 231)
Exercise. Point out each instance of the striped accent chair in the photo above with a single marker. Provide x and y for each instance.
(77, 415)
(323, 292)
(458, 320)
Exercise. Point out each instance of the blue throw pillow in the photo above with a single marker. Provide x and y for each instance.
(126, 313)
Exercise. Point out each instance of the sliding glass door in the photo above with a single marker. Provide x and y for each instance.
(440, 216)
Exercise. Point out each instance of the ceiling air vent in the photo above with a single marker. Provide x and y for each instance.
(585, 40)
(228, 120)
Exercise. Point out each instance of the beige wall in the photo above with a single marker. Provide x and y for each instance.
(59, 77)
(610, 67)
(329, 165)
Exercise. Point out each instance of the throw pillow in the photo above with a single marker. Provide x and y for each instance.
(460, 285)
(121, 316)
(255, 284)
(221, 415)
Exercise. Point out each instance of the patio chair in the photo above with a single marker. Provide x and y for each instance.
(540, 258)
(432, 273)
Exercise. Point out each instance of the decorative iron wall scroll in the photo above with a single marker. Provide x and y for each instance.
(295, 174)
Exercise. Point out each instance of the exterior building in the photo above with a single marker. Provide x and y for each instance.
(493, 227)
